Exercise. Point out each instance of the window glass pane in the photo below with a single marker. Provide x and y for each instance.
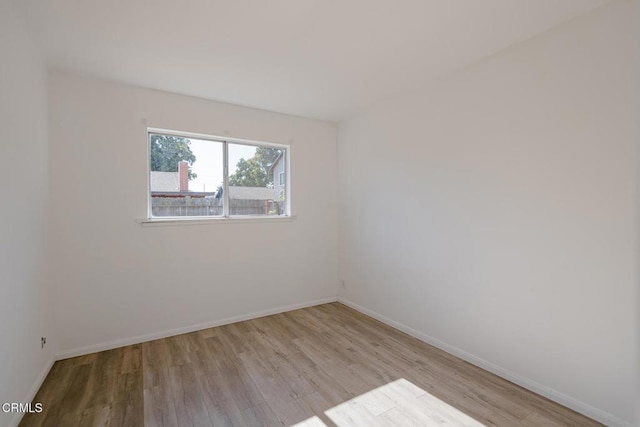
(255, 187)
(186, 176)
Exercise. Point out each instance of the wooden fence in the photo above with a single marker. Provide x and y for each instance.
(210, 206)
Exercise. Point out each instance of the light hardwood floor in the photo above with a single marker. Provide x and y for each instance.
(324, 365)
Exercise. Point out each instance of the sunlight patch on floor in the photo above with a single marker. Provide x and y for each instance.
(398, 403)
(311, 422)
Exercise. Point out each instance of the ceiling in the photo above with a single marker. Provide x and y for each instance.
(324, 59)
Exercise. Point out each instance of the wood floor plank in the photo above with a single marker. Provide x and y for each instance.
(261, 415)
(323, 383)
(326, 365)
(190, 408)
(278, 394)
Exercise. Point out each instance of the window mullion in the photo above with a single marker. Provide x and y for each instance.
(225, 179)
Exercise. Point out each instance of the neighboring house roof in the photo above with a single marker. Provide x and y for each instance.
(164, 181)
(251, 193)
(276, 161)
(169, 182)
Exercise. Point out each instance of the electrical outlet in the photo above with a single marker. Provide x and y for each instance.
(43, 341)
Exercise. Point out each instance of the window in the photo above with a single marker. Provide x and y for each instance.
(198, 176)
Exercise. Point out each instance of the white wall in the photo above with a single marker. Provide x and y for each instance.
(496, 212)
(25, 313)
(117, 280)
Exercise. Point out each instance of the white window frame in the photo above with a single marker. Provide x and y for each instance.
(282, 182)
(225, 183)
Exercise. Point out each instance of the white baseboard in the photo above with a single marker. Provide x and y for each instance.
(32, 392)
(568, 401)
(186, 329)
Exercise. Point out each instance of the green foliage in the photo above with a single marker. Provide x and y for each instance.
(167, 151)
(255, 171)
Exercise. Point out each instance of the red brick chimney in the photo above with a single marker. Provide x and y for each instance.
(183, 173)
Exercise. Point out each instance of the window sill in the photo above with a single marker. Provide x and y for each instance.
(154, 222)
